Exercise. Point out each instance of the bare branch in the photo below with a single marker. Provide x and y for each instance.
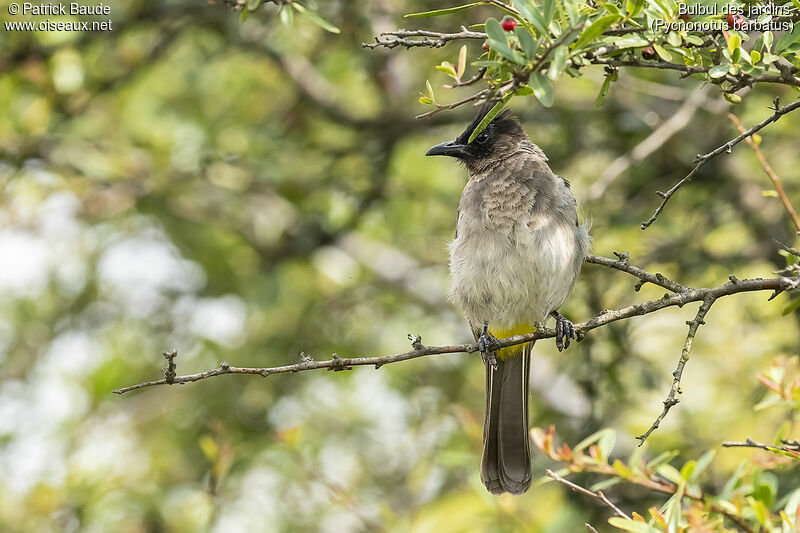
(433, 39)
(672, 399)
(701, 160)
(790, 447)
(679, 299)
(623, 265)
(599, 496)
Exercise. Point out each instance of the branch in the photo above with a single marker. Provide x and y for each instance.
(433, 39)
(790, 447)
(679, 299)
(672, 399)
(776, 181)
(701, 160)
(599, 496)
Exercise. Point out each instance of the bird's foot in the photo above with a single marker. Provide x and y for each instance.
(564, 331)
(488, 345)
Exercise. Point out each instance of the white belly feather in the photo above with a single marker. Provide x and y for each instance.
(517, 276)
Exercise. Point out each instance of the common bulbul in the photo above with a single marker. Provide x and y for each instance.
(517, 252)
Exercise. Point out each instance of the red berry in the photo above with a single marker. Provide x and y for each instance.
(648, 52)
(485, 46)
(509, 23)
(735, 21)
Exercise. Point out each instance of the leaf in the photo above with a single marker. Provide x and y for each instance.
(448, 69)
(489, 116)
(606, 483)
(694, 39)
(670, 473)
(607, 442)
(446, 11)
(430, 90)
(287, 16)
(662, 52)
(542, 89)
(718, 71)
(768, 37)
(533, 15)
(559, 62)
(793, 305)
(547, 12)
(630, 525)
(688, 469)
(734, 42)
(631, 41)
(316, 19)
(674, 39)
(529, 46)
(425, 100)
(787, 39)
(702, 464)
(462, 61)
(595, 30)
(524, 91)
(485, 63)
(634, 7)
(594, 437)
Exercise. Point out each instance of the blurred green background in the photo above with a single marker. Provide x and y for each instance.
(246, 191)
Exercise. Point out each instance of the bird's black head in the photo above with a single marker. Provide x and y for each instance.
(502, 134)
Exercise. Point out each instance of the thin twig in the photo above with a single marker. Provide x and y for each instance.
(791, 447)
(778, 112)
(672, 399)
(776, 181)
(644, 276)
(599, 496)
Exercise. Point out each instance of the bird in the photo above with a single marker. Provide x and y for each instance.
(516, 255)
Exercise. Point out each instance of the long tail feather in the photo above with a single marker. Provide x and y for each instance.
(506, 463)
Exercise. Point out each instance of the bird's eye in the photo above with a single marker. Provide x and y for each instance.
(482, 137)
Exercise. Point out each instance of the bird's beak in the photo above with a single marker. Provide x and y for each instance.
(451, 148)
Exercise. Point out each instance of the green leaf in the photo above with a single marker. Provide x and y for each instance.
(674, 39)
(718, 71)
(485, 63)
(688, 469)
(788, 38)
(634, 7)
(631, 525)
(591, 439)
(607, 442)
(542, 89)
(631, 41)
(425, 100)
(252, 5)
(733, 98)
(533, 15)
(489, 116)
(793, 305)
(525, 39)
(462, 61)
(606, 483)
(666, 56)
(547, 12)
(768, 37)
(595, 30)
(694, 39)
(447, 68)
(287, 16)
(601, 96)
(559, 62)
(524, 91)
(670, 473)
(755, 56)
(734, 42)
(316, 19)
(702, 464)
(446, 11)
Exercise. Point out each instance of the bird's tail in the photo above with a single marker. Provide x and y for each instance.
(506, 462)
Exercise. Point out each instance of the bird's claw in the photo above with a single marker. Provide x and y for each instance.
(564, 332)
(488, 345)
